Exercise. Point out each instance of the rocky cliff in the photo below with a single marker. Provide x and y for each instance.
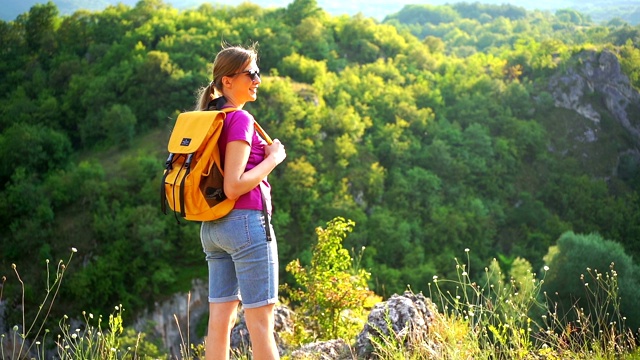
(174, 320)
(602, 124)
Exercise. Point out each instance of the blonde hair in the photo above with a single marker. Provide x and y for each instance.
(229, 61)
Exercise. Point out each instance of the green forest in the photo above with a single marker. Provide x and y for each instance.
(437, 131)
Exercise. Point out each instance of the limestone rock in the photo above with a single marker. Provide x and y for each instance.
(598, 72)
(324, 350)
(405, 317)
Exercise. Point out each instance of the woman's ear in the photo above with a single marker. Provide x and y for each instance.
(226, 81)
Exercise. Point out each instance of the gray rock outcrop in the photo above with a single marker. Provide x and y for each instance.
(598, 72)
(404, 317)
(324, 350)
(174, 320)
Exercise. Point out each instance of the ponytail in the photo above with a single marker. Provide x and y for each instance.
(205, 95)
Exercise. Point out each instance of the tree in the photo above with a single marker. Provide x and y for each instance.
(121, 128)
(573, 280)
(299, 10)
(40, 28)
(425, 14)
(302, 69)
(36, 148)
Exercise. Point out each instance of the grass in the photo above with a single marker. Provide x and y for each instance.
(514, 319)
(496, 317)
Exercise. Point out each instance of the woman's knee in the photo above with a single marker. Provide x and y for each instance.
(260, 318)
(221, 313)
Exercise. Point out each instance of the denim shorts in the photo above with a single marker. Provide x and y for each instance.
(243, 265)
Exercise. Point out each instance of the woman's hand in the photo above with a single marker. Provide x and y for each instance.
(276, 150)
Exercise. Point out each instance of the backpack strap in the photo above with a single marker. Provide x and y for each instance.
(163, 194)
(265, 213)
(262, 133)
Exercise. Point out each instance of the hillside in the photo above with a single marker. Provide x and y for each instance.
(465, 130)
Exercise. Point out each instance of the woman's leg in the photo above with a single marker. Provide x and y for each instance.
(222, 318)
(260, 324)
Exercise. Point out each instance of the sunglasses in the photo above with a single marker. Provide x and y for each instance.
(253, 74)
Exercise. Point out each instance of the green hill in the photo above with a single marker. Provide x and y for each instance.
(442, 128)
(599, 11)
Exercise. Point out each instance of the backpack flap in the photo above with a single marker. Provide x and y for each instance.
(191, 130)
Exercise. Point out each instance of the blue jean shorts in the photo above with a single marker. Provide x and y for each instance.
(243, 265)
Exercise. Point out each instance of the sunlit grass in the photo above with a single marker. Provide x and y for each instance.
(496, 317)
(515, 319)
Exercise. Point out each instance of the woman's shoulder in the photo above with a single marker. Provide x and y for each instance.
(240, 115)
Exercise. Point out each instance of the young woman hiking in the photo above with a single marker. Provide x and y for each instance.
(243, 262)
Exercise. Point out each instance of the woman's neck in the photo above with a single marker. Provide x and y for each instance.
(231, 102)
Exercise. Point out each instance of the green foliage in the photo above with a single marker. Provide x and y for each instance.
(332, 287)
(507, 317)
(303, 69)
(577, 256)
(435, 130)
(36, 148)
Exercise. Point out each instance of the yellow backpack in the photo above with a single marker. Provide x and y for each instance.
(192, 183)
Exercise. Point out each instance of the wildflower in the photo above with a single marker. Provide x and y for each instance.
(464, 273)
(74, 250)
(586, 284)
(73, 336)
(546, 268)
(466, 250)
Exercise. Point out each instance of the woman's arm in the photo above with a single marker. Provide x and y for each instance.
(238, 182)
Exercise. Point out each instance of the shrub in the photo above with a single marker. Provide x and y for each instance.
(332, 288)
(577, 255)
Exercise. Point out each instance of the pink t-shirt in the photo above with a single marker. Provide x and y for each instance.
(238, 125)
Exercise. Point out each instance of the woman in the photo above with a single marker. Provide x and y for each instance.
(243, 264)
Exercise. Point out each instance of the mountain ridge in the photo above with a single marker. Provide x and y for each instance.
(599, 11)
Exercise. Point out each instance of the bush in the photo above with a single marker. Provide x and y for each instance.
(333, 289)
(576, 255)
